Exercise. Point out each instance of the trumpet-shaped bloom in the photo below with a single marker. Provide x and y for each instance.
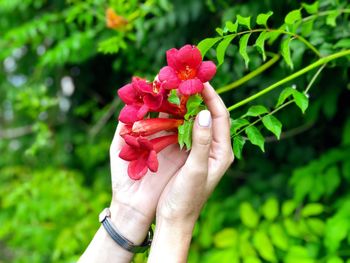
(142, 153)
(186, 70)
(140, 98)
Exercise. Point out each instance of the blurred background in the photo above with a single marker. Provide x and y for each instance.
(61, 66)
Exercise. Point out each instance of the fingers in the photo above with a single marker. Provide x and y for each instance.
(201, 140)
(117, 142)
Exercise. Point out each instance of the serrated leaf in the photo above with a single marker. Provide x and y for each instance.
(262, 18)
(311, 8)
(243, 42)
(238, 143)
(288, 207)
(284, 95)
(285, 51)
(248, 215)
(222, 47)
(264, 246)
(207, 44)
(193, 106)
(237, 124)
(185, 134)
(231, 27)
(256, 110)
(273, 125)
(292, 17)
(278, 236)
(244, 21)
(301, 100)
(331, 19)
(260, 43)
(270, 209)
(173, 98)
(255, 137)
(312, 210)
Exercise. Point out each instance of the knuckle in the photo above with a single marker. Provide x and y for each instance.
(203, 138)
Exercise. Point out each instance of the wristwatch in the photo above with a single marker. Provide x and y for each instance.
(105, 220)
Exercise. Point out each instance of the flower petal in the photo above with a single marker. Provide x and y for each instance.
(145, 144)
(128, 94)
(152, 161)
(191, 86)
(206, 71)
(126, 129)
(153, 102)
(142, 85)
(190, 56)
(169, 78)
(142, 112)
(138, 168)
(128, 114)
(129, 153)
(172, 59)
(132, 141)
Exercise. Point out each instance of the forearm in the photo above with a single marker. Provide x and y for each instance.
(103, 248)
(171, 241)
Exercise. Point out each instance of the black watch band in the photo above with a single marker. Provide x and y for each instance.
(105, 220)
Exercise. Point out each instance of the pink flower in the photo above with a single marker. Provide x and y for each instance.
(140, 98)
(142, 153)
(186, 70)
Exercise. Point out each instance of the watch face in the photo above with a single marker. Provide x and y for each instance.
(105, 213)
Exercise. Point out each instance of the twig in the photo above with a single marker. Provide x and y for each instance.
(291, 133)
(16, 132)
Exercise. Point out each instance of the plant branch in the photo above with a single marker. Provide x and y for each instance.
(16, 132)
(324, 13)
(291, 133)
(302, 71)
(249, 76)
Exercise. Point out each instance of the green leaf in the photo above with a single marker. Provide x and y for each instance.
(331, 179)
(331, 19)
(292, 17)
(262, 18)
(285, 51)
(312, 210)
(342, 43)
(301, 100)
(193, 106)
(307, 27)
(219, 31)
(311, 8)
(221, 48)
(243, 42)
(231, 27)
(248, 215)
(173, 98)
(270, 209)
(278, 236)
(256, 110)
(273, 125)
(185, 134)
(264, 246)
(288, 208)
(207, 44)
(284, 95)
(227, 237)
(238, 143)
(260, 43)
(255, 137)
(291, 227)
(244, 21)
(316, 225)
(251, 259)
(237, 124)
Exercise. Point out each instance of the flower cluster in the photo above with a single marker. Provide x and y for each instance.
(169, 93)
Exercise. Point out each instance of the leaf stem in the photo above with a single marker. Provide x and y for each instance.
(249, 76)
(324, 13)
(307, 43)
(302, 71)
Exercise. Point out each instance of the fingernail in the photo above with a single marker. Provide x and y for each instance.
(204, 118)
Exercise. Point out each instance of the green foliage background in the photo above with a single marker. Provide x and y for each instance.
(59, 74)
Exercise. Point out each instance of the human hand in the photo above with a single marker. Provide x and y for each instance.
(185, 194)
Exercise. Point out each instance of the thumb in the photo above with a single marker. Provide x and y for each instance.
(201, 141)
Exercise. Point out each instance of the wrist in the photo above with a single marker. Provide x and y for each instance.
(130, 223)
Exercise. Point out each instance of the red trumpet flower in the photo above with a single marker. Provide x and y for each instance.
(186, 70)
(140, 98)
(142, 153)
(150, 126)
